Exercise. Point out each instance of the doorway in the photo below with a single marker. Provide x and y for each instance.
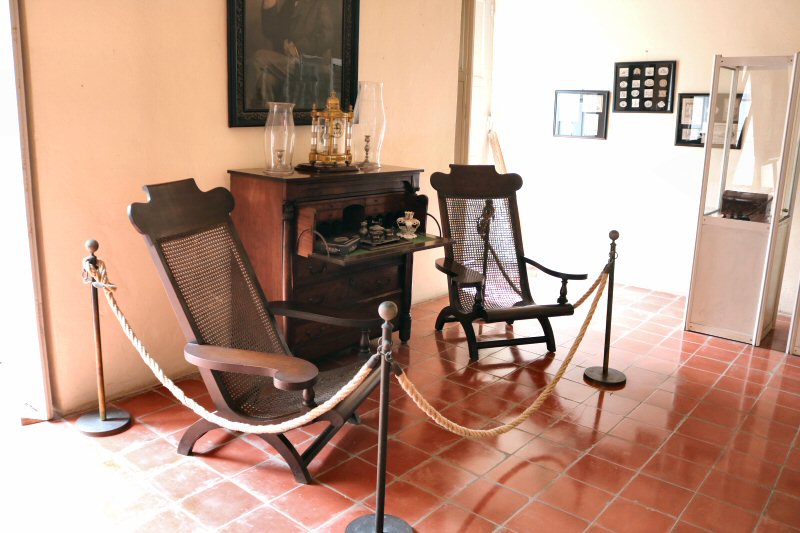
(24, 383)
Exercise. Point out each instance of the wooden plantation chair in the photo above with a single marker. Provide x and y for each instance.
(230, 327)
(485, 264)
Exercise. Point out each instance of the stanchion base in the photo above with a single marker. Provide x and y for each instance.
(597, 375)
(366, 524)
(116, 421)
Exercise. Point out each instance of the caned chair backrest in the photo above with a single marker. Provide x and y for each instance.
(480, 217)
(207, 275)
(204, 266)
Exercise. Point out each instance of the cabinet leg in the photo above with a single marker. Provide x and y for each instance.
(405, 328)
(404, 318)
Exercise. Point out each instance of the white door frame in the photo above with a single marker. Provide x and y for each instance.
(28, 357)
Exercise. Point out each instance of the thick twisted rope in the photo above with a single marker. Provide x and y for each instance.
(98, 277)
(458, 429)
(590, 290)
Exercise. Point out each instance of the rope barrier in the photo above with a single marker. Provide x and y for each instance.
(409, 388)
(97, 276)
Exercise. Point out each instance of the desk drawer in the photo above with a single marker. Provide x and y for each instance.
(372, 282)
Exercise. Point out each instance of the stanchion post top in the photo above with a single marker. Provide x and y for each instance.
(92, 245)
(387, 310)
(613, 235)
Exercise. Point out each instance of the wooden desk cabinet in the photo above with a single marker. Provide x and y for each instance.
(277, 217)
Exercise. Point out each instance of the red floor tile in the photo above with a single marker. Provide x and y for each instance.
(575, 497)
(311, 505)
(354, 478)
(783, 508)
(548, 454)
(622, 452)
(540, 517)
(789, 482)
(491, 501)
(400, 457)
(640, 433)
(220, 504)
(600, 473)
(677, 471)
(439, 478)
(268, 480)
(234, 457)
(452, 518)
(748, 467)
(407, 501)
(264, 516)
(522, 476)
(705, 431)
(628, 517)
(473, 456)
(691, 449)
(186, 478)
(735, 491)
(715, 515)
(427, 436)
(657, 494)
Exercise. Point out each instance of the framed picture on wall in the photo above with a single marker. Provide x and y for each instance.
(581, 114)
(692, 123)
(290, 51)
(644, 86)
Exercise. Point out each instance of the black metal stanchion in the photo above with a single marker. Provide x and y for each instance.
(104, 421)
(602, 375)
(381, 522)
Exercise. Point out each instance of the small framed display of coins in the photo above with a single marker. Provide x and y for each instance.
(644, 86)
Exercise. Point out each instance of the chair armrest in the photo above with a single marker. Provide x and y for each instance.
(325, 315)
(461, 274)
(288, 373)
(554, 273)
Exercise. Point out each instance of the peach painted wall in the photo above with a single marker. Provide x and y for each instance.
(122, 94)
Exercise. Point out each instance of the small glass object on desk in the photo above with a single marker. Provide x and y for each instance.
(279, 138)
(369, 124)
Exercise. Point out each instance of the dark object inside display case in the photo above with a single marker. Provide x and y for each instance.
(742, 205)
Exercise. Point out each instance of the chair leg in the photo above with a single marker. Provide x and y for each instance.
(444, 314)
(290, 455)
(193, 434)
(472, 342)
(548, 333)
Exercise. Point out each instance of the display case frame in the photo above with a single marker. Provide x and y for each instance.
(738, 264)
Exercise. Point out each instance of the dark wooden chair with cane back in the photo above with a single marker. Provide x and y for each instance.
(230, 327)
(484, 262)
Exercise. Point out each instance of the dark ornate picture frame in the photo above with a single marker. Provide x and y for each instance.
(644, 86)
(261, 70)
(691, 126)
(580, 113)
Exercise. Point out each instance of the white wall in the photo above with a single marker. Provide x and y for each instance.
(125, 93)
(636, 181)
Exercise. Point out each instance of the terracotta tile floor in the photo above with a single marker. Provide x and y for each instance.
(702, 438)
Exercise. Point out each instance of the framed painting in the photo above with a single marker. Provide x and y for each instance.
(644, 86)
(295, 51)
(581, 114)
(692, 124)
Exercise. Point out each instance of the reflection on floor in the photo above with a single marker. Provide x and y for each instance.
(703, 438)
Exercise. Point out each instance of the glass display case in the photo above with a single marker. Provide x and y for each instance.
(746, 199)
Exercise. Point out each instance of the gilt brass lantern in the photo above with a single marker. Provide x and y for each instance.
(331, 132)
